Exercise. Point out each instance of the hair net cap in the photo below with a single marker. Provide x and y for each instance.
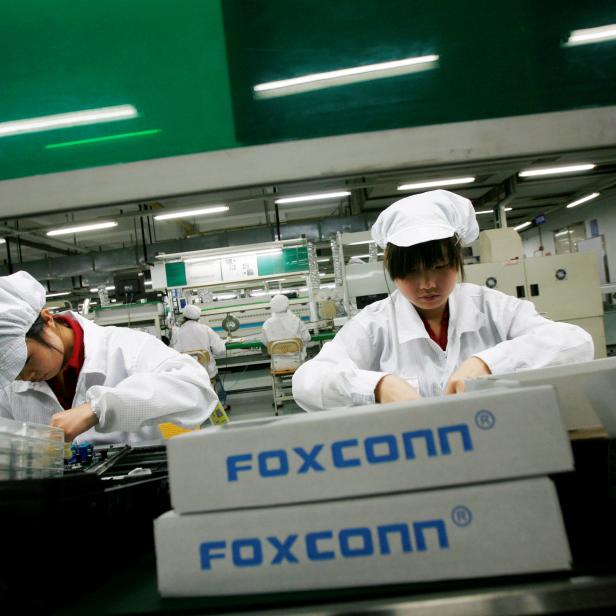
(432, 215)
(279, 303)
(191, 312)
(21, 300)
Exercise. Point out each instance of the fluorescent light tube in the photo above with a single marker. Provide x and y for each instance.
(65, 120)
(274, 251)
(314, 197)
(478, 212)
(436, 183)
(215, 209)
(584, 199)
(95, 289)
(82, 228)
(591, 35)
(362, 242)
(529, 173)
(59, 294)
(523, 225)
(226, 296)
(367, 72)
(2, 240)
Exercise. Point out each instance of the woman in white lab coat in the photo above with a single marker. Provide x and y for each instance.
(99, 384)
(194, 336)
(432, 332)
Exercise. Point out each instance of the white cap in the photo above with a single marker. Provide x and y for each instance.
(21, 300)
(191, 312)
(432, 215)
(279, 303)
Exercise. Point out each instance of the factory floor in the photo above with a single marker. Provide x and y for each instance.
(249, 392)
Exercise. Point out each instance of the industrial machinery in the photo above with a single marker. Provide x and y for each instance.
(563, 287)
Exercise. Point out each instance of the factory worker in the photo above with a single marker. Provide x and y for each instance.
(432, 332)
(193, 336)
(99, 384)
(283, 324)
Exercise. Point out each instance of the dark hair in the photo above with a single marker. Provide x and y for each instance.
(37, 332)
(401, 261)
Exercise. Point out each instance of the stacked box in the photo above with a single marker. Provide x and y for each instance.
(434, 489)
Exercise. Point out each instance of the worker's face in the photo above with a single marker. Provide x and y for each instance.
(44, 362)
(428, 289)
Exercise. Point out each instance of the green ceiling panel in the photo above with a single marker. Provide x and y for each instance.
(167, 59)
(189, 67)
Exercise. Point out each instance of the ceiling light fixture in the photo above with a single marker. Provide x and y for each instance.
(436, 183)
(529, 173)
(214, 209)
(583, 199)
(367, 72)
(58, 294)
(523, 225)
(82, 228)
(109, 288)
(591, 35)
(478, 212)
(65, 120)
(313, 197)
(274, 251)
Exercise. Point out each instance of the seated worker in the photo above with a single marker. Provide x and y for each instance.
(108, 384)
(193, 336)
(283, 324)
(432, 332)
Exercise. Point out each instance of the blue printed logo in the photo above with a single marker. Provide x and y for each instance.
(326, 545)
(351, 453)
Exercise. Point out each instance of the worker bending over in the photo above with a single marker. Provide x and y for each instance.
(107, 384)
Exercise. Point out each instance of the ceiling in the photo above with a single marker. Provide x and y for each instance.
(253, 207)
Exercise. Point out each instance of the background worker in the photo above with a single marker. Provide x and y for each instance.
(193, 336)
(283, 324)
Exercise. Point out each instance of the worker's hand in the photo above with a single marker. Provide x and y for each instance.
(74, 421)
(471, 368)
(392, 388)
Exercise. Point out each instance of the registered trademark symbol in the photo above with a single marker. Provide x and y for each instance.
(461, 516)
(485, 420)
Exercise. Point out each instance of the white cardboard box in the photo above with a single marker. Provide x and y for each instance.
(485, 530)
(454, 440)
(586, 390)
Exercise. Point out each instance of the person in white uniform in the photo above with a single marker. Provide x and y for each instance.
(194, 336)
(283, 324)
(117, 384)
(432, 332)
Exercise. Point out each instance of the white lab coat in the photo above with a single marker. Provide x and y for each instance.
(389, 337)
(285, 325)
(192, 336)
(133, 382)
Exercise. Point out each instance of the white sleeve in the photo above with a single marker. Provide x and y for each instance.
(163, 385)
(532, 340)
(5, 407)
(173, 343)
(216, 343)
(304, 334)
(264, 339)
(344, 373)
